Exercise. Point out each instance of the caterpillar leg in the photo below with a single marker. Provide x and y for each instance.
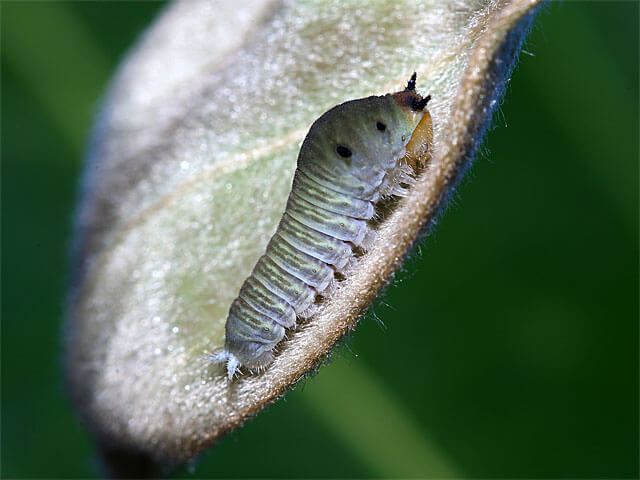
(232, 362)
(253, 356)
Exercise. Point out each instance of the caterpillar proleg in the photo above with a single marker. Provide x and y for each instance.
(355, 154)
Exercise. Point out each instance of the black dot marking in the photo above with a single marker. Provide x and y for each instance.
(343, 151)
(381, 126)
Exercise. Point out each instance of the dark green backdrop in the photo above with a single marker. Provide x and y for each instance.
(511, 346)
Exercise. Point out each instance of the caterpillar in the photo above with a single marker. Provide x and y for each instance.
(355, 155)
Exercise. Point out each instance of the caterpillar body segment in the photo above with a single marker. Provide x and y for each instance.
(331, 200)
(327, 249)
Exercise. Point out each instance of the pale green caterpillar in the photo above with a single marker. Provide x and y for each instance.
(354, 155)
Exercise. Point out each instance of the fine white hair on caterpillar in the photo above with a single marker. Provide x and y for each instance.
(355, 155)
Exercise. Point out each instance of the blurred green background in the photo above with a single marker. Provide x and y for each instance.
(511, 339)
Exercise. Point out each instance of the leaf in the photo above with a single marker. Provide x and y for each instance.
(188, 172)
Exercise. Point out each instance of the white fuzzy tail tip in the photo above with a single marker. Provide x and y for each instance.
(233, 364)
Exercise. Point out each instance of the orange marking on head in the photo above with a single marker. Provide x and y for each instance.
(419, 146)
(418, 150)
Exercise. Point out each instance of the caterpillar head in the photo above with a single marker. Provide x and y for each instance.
(414, 106)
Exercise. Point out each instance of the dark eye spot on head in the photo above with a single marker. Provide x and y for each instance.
(381, 126)
(403, 138)
(343, 151)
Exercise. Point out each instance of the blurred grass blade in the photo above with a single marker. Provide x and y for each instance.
(620, 97)
(378, 430)
(76, 75)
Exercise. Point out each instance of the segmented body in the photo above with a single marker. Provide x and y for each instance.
(353, 156)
